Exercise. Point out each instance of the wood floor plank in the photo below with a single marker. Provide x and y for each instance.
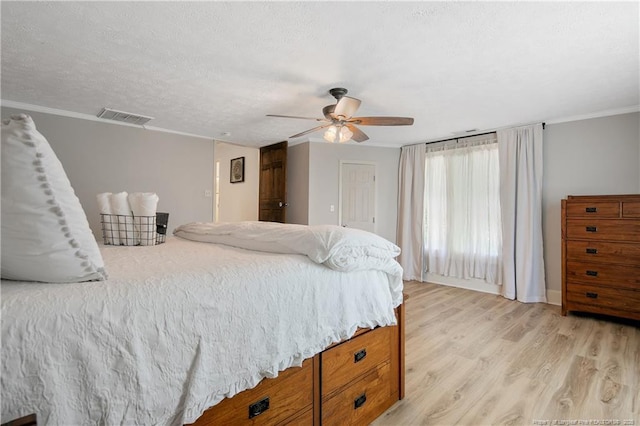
(632, 355)
(479, 359)
(612, 393)
(568, 401)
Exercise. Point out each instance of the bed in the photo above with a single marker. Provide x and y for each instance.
(244, 331)
(249, 323)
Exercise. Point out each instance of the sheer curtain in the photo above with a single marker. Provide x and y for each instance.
(411, 210)
(462, 220)
(521, 198)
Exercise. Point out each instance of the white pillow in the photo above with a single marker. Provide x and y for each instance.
(45, 233)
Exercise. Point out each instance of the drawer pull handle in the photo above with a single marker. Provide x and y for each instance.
(360, 355)
(259, 407)
(592, 251)
(359, 401)
(592, 229)
(592, 273)
(591, 295)
(591, 210)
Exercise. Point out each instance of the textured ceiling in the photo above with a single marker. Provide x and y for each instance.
(207, 68)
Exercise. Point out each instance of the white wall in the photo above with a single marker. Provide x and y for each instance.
(324, 183)
(587, 157)
(105, 157)
(238, 201)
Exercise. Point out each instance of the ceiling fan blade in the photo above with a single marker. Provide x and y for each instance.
(382, 121)
(295, 116)
(297, 135)
(358, 135)
(347, 106)
(328, 111)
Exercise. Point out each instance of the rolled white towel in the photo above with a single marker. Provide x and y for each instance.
(144, 206)
(104, 205)
(120, 207)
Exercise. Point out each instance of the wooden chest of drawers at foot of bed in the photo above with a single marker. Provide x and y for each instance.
(288, 399)
(601, 255)
(358, 383)
(351, 382)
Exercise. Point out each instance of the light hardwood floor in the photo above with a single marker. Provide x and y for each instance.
(479, 359)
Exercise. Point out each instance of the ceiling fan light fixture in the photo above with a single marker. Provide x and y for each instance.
(332, 134)
(345, 134)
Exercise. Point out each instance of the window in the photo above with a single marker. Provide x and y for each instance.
(462, 232)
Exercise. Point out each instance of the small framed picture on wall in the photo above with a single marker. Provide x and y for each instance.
(237, 170)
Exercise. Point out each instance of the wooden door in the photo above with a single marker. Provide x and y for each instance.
(273, 182)
(358, 198)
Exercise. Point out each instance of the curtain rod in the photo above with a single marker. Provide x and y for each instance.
(470, 136)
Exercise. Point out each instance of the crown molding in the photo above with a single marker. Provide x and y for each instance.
(81, 116)
(606, 113)
(351, 142)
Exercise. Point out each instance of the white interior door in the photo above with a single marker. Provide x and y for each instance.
(358, 196)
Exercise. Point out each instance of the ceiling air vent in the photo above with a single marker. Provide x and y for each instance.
(126, 117)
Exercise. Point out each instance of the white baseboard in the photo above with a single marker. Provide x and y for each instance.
(471, 284)
(554, 297)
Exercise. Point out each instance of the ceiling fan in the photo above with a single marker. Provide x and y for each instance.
(340, 122)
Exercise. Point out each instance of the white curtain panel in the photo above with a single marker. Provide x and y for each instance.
(520, 151)
(411, 210)
(462, 213)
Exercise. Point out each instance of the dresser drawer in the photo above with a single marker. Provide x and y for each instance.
(604, 252)
(603, 274)
(269, 403)
(363, 401)
(306, 419)
(601, 209)
(603, 229)
(611, 298)
(346, 361)
(631, 209)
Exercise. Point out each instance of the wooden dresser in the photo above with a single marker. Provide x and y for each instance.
(601, 255)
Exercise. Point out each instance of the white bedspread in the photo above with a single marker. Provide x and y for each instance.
(175, 329)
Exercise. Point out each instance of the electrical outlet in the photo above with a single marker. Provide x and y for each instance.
(207, 193)
(332, 208)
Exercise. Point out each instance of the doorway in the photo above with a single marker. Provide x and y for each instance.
(358, 195)
(273, 183)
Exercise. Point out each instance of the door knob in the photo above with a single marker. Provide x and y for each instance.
(281, 204)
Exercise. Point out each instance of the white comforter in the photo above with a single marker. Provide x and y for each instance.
(340, 248)
(175, 329)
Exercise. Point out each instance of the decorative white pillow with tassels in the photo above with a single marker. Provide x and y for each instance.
(45, 233)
